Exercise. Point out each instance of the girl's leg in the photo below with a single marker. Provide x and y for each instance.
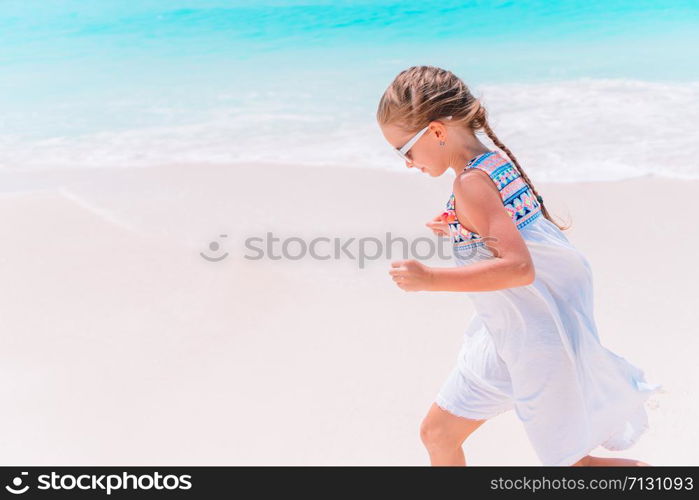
(443, 433)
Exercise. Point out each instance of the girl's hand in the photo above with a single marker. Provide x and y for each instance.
(411, 275)
(439, 225)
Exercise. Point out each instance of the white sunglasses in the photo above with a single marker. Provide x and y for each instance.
(404, 150)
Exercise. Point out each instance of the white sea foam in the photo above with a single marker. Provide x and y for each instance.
(581, 130)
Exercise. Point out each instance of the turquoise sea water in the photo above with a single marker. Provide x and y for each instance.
(579, 89)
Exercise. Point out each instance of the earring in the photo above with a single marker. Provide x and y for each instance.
(442, 143)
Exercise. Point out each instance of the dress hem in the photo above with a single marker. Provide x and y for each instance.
(446, 406)
(636, 436)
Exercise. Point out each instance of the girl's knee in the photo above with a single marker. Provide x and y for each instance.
(435, 435)
(442, 430)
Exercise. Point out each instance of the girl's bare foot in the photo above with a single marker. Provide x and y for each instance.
(590, 461)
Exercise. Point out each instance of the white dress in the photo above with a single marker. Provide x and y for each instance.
(535, 348)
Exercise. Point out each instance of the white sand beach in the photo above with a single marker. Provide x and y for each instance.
(121, 344)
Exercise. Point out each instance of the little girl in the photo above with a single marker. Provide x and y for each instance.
(532, 345)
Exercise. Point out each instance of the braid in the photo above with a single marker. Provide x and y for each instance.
(489, 132)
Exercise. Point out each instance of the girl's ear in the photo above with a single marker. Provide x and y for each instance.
(441, 131)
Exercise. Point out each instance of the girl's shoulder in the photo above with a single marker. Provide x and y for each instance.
(515, 194)
(496, 165)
